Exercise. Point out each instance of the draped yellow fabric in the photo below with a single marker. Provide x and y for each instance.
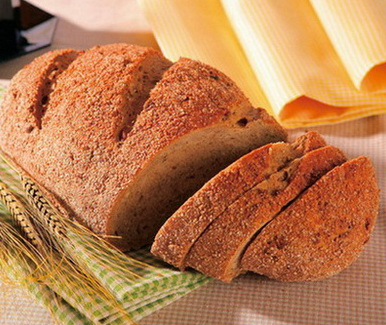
(308, 62)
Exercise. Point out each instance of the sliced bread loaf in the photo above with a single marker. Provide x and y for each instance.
(174, 240)
(323, 231)
(218, 251)
(118, 165)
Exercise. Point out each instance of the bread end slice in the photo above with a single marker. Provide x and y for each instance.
(323, 231)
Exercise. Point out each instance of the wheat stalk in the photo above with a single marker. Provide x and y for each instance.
(50, 263)
(28, 266)
(24, 264)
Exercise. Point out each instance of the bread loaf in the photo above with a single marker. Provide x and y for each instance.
(179, 233)
(119, 137)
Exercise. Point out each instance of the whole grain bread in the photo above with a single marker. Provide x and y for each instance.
(119, 137)
(174, 240)
(323, 231)
(218, 251)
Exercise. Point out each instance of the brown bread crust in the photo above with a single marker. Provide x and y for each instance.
(218, 251)
(174, 240)
(323, 231)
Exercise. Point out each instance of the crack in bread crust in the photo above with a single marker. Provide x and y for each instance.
(31, 87)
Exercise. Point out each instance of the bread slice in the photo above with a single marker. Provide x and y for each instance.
(174, 240)
(323, 231)
(218, 251)
(120, 166)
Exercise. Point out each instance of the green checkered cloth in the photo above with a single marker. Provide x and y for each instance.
(156, 286)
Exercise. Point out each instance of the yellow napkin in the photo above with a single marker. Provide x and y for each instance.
(307, 61)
